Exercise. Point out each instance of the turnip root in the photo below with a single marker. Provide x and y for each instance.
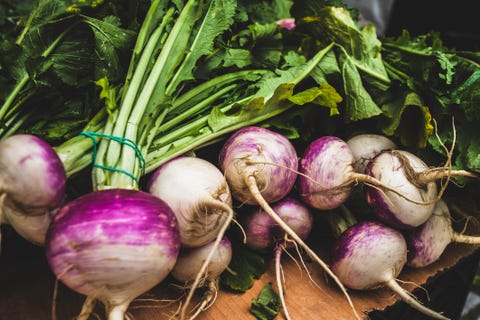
(112, 245)
(200, 198)
(427, 242)
(263, 233)
(32, 182)
(261, 168)
(411, 177)
(190, 264)
(369, 255)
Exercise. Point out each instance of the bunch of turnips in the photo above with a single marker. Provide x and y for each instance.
(205, 126)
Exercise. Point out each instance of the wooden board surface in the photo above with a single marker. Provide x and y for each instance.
(27, 290)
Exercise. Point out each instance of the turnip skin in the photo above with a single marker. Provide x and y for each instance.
(427, 242)
(263, 233)
(247, 160)
(359, 260)
(365, 146)
(328, 161)
(395, 169)
(369, 255)
(190, 261)
(33, 183)
(113, 245)
(245, 153)
(198, 194)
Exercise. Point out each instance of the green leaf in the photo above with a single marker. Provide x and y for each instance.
(359, 104)
(218, 18)
(245, 267)
(325, 95)
(410, 121)
(110, 41)
(267, 305)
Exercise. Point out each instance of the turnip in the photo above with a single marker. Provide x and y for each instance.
(427, 242)
(190, 264)
(263, 233)
(366, 146)
(33, 181)
(113, 245)
(327, 173)
(412, 178)
(369, 255)
(261, 168)
(200, 198)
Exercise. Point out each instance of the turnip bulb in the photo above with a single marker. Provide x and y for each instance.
(190, 261)
(113, 245)
(263, 233)
(200, 198)
(198, 194)
(32, 181)
(327, 173)
(369, 255)
(398, 169)
(261, 168)
(365, 146)
(413, 193)
(262, 154)
(427, 242)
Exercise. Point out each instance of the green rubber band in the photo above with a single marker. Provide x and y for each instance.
(125, 141)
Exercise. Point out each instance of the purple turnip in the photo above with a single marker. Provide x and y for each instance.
(263, 233)
(113, 245)
(327, 173)
(261, 168)
(427, 242)
(32, 180)
(370, 255)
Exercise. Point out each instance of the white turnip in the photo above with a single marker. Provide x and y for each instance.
(411, 178)
(261, 168)
(427, 242)
(365, 146)
(113, 245)
(190, 264)
(369, 255)
(32, 183)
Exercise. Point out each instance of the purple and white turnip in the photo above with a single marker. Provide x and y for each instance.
(32, 183)
(415, 188)
(263, 233)
(427, 242)
(260, 166)
(370, 255)
(113, 245)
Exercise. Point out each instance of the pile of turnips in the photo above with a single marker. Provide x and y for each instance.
(113, 245)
